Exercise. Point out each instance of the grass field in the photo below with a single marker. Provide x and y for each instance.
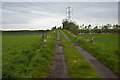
(105, 48)
(107, 42)
(77, 66)
(24, 56)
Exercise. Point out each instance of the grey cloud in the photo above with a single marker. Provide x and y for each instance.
(24, 12)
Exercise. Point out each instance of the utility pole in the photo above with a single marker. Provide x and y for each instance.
(69, 14)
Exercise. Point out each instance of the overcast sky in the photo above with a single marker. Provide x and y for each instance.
(44, 15)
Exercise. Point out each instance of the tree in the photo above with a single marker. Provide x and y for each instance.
(95, 29)
(116, 26)
(109, 26)
(65, 24)
(70, 26)
(82, 26)
(105, 28)
(54, 28)
(89, 26)
(74, 29)
(85, 27)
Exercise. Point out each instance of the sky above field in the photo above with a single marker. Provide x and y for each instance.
(45, 15)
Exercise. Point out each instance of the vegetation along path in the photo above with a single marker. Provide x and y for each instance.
(59, 69)
(102, 70)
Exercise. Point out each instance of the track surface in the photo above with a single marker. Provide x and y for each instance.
(102, 70)
(59, 69)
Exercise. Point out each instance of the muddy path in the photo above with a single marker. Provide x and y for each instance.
(101, 69)
(59, 69)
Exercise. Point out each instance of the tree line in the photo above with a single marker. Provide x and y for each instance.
(108, 28)
(74, 28)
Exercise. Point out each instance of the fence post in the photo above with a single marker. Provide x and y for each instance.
(46, 36)
(92, 40)
(42, 37)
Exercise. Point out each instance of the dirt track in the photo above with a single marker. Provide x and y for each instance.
(59, 69)
(102, 70)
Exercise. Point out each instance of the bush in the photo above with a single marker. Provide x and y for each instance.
(70, 26)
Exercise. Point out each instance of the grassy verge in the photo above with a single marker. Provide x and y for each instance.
(108, 59)
(26, 57)
(77, 66)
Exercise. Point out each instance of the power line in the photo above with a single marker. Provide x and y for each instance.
(30, 14)
(51, 9)
(34, 5)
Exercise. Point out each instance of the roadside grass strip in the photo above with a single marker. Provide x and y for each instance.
(110, 59)
(77, 66)
(27, 57)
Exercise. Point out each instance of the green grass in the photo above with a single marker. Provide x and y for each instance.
(77, 66)
(26, 57)
(105, 48)
(107, 42)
